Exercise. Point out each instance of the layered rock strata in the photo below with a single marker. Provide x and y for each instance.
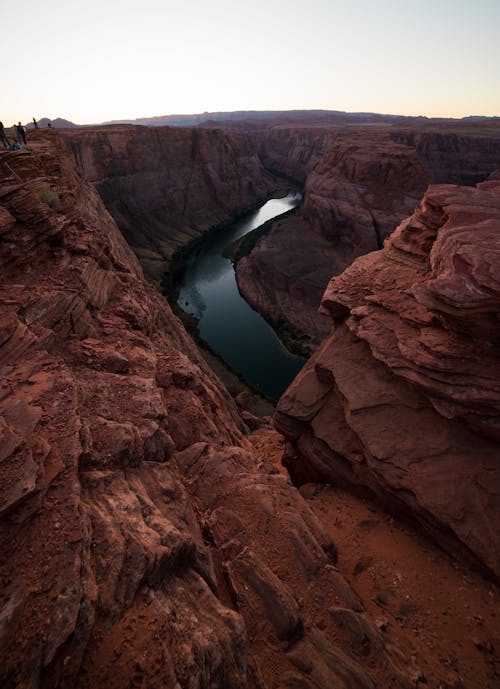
(166, 186)
(359, 183)
(293, 151)
(143, 542)
(459, 153)
(402, 401)
(355, 194)
(283, 278)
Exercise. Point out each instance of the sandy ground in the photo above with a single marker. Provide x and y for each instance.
(444, 617)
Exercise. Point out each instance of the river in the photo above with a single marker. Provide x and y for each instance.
(240, 335)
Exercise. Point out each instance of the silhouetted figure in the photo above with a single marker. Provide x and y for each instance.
(14, 132)
(49, 125)
(35, 123)
(21, 134)
(3, 138)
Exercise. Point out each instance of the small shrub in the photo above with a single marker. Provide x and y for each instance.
(47, 195)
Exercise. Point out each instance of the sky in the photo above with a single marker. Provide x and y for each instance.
(101, 60)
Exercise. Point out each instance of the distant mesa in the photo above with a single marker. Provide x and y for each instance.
(58, 123)
(264, 118)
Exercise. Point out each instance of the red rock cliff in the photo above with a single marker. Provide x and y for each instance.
(165, 186)
(143, 542)
(358, 186)
(360, 182)
(459, 153)
(402, 401)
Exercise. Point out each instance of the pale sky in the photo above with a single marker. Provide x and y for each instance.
(101, 59)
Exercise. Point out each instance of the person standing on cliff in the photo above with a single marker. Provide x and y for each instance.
(21, 134)
(3, 138)
(35, 123)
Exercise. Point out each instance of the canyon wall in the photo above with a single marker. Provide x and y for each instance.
(358, 186)
(167, 186)
(293, 151)
(402, 401)
(359, 183)
(459, 153)
(144, 542)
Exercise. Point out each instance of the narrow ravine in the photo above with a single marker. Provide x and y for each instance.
(232, 329)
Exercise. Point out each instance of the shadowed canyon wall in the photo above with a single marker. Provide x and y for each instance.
(455, 154)
(166, 186)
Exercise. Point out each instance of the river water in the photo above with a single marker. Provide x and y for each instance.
(240, 335)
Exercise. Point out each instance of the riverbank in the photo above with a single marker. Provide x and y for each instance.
(282, 272)
(292, 338)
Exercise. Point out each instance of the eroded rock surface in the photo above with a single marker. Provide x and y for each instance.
(143, 542)
(357, 188)
(459, 153)
(359, 184)
(166, 186)
(402, 401)
(284, 277)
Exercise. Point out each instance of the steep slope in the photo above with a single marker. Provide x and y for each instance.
(359, 183)
(402, 401)
(459, 153)
(165, 186)
(144, 543)
(293, 151)
(356, 192)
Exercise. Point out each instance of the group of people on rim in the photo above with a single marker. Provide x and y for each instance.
(18, 135)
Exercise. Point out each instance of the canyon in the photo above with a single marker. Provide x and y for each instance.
(150, 535)
(167, 186)
(359, 184)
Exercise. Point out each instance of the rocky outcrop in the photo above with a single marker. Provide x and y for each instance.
(166, 186)
(361, 189)
(284, 277)
(402, 401)
(143, 542)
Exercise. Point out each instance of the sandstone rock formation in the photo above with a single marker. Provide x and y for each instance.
(284, 276)
(359, 183)
(165, 186)
(143, 542)
(355, 194)
(402, 401)
(293, 151)
(458, 153)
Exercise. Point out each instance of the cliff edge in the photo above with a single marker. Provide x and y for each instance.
(402, 401)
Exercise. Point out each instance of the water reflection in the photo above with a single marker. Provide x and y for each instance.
(235, 331)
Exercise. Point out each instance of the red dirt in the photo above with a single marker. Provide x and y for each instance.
(444, 617)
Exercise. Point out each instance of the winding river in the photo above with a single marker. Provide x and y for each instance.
(236, 332)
